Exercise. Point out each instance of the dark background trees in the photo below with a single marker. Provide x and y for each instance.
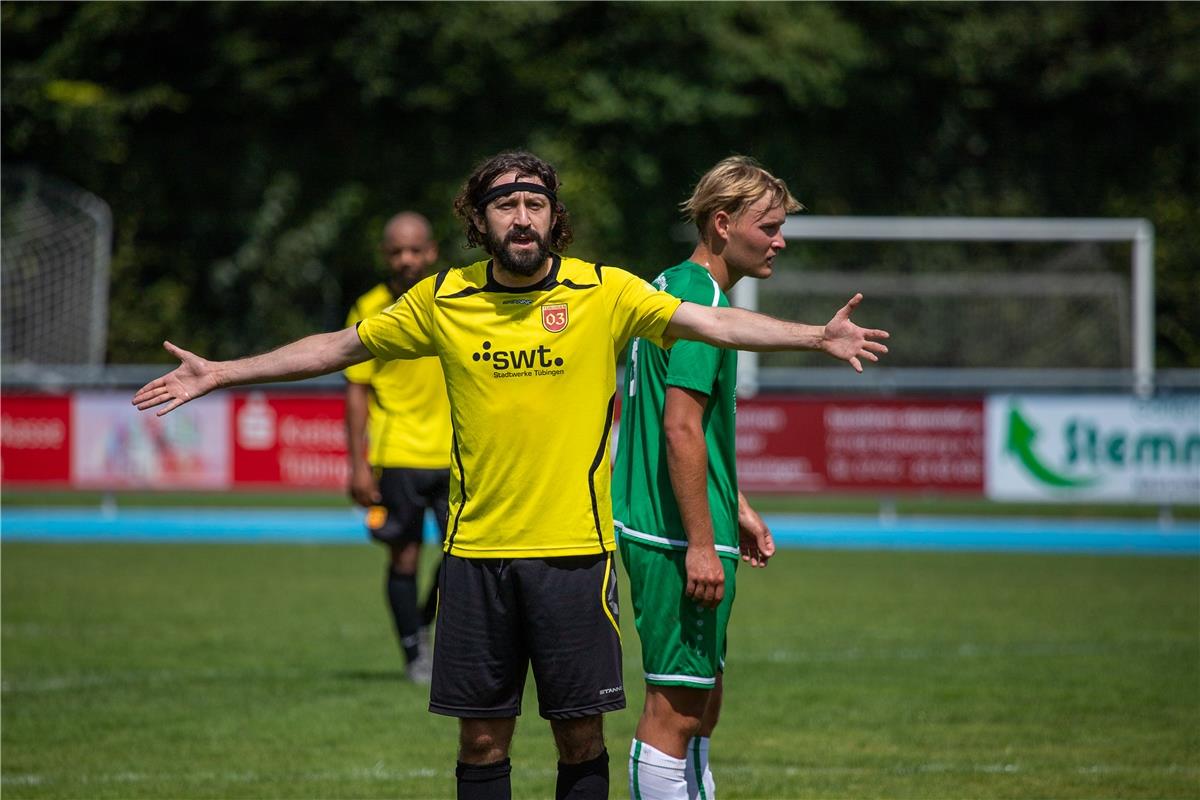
(251, 151)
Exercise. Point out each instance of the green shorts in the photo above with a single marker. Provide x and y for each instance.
(683, 643)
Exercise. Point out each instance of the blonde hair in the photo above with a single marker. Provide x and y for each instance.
(732, 186)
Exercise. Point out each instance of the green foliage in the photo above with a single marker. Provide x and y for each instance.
(201, 123)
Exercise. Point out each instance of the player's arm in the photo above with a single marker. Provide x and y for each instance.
(196, 376)
(739, 329)
(687, 465)
(754, 537)
(363, 488)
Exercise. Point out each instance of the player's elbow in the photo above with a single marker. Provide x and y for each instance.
(681, 434)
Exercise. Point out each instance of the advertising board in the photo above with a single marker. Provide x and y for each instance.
(1093, 448)
(821, 444)
(35, 439)
(288, 441)
(117, 447)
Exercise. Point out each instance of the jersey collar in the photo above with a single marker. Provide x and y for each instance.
(548, 282)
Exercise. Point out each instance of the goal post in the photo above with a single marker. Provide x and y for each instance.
(1137, 232)
(56, 250)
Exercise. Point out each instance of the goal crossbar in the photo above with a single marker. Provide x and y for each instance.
(1139, 232)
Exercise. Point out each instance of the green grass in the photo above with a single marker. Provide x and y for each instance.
(783, 504)
(266, 671)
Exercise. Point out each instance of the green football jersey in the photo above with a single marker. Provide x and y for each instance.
(644, 506)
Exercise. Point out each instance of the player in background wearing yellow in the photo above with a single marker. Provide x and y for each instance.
(681, 521)
(528, 341)
(402, 467)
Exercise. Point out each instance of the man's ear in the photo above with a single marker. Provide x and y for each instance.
(721, 221)
(479, 223)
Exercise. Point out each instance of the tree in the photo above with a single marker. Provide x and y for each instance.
(252, 151)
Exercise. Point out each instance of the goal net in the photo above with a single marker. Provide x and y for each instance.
(56, 245)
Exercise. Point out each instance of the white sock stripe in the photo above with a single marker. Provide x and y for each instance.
(635, 751)
(695, 773)
(705, 783)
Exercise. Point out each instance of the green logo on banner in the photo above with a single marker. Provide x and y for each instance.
(1021, 436)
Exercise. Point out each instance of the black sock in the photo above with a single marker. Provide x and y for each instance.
(586, 781)
(402, 597)
(484, 781)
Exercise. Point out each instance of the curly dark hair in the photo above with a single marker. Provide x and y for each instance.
(526, 165)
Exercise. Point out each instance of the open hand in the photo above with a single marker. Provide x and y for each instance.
(194, 377)
(755, 541)
(846, 341)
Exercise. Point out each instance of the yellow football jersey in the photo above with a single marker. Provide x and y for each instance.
(409, 423)
(531, 375)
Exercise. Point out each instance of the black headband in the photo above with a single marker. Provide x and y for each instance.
(509, 188)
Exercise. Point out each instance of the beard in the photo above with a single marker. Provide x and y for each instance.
(399, 283)
(524, 262)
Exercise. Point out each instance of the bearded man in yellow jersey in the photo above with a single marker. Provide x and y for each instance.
(528, 341)
(407, 468)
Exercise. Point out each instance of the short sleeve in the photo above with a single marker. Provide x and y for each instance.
(691, 364)
(364, 371)
(404, 329)
(694, 365)
(638, 308)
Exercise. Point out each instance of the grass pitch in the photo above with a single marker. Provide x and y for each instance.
(270, 671)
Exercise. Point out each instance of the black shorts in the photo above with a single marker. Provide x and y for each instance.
(400, 517)
(497, 616)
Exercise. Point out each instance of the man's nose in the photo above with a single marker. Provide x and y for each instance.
(522, 216)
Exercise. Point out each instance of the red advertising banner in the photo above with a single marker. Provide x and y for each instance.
(821, 444)
(260, 440)
(289, 441)
(35, 439)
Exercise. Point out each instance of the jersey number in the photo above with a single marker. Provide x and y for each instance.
(632, 366)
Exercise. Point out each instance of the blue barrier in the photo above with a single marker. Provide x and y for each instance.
(1145, 537)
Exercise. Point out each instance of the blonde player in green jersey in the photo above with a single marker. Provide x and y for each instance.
(528, 341)
(680, 519)
(402, 467)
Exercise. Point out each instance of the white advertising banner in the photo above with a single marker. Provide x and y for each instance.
(1110, 448)
(117, 446)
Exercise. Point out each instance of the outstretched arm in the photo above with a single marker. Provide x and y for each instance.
(739, 329)
(196, 377)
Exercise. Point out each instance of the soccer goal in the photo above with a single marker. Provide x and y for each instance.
(971, 302)
(56, 246)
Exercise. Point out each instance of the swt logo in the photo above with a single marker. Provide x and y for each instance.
(540, 357)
